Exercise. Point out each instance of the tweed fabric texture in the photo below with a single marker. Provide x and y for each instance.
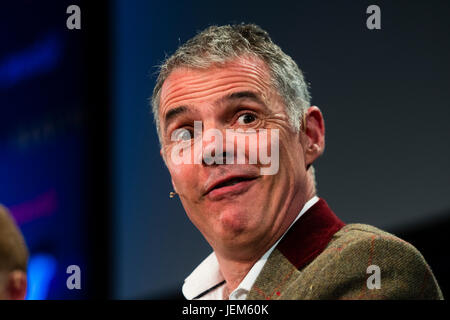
(339, 271)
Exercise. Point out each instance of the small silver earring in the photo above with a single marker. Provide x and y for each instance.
(172, 194)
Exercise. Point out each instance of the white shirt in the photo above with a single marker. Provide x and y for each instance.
(207, 276)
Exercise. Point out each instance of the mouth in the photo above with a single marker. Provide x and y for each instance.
(230, 186)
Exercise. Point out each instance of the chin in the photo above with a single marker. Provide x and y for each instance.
(233, 223)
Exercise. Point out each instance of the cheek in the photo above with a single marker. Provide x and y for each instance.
(292, 160)
(285, 144)
(183, 176)
(178, 160)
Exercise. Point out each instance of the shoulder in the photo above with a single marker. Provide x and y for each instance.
(357, 252)
(377, 244)
(353, 237)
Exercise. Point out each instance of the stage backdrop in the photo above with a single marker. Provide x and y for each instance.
(384, 95)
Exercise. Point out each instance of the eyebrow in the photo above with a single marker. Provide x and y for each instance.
(172, 113)
(242, 95)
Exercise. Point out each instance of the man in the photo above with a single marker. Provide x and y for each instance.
(272, 237)
(13, 259)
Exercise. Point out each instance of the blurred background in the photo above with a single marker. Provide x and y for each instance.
(80, 168)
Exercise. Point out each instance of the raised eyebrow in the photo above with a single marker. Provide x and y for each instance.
(243, 95)
(172, 113)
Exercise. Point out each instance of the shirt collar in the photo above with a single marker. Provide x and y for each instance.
(207, 277)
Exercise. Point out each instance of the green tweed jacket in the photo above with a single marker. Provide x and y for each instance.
(322, 258)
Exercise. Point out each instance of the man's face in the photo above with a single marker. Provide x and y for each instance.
(232, 204)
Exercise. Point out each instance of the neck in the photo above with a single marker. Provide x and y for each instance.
(234, 267)
(234, 270)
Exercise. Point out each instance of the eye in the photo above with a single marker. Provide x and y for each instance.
(246, 118)
(181, 134)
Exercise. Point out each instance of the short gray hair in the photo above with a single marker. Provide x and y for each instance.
(219, 44)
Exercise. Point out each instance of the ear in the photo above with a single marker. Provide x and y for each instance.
(16, 286)
(314, 133)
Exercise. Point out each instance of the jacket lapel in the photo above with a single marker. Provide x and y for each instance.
(304, 241)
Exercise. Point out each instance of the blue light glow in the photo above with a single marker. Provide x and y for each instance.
(42, 57)
(41, 270)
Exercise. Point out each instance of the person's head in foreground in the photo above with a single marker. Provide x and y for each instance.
(13, 259)
(239, 137)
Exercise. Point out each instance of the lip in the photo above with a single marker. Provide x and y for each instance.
(235, 189)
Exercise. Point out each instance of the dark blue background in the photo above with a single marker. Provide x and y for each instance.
(42, 141)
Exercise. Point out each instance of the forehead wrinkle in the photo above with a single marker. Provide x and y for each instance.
(225, 88)
(206, 82)
(200, 91)
(211, 80)
(198, 77)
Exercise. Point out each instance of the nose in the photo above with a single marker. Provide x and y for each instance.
(215, 147)
(215, 152)
(213, 159)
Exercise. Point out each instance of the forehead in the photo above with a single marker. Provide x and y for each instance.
(185, 85)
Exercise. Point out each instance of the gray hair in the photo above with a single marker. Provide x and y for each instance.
(219, 44)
